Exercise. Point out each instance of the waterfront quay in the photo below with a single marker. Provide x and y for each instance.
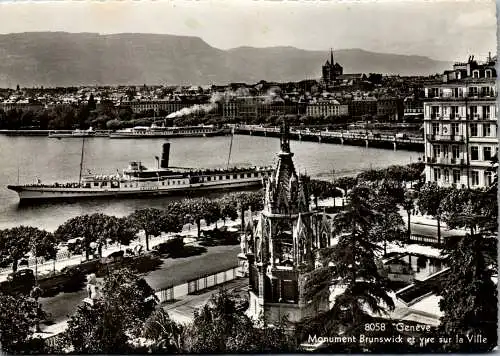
(344, 137)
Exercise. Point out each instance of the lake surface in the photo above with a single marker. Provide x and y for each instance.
(51, 160)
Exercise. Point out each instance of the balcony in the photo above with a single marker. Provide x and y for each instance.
(467, 96)
(445, 138)
(448, 161)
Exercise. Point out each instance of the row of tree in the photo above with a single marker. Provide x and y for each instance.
(98, 229)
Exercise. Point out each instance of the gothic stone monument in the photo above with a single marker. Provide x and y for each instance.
(282, 251)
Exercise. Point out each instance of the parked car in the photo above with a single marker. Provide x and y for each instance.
(21, 281)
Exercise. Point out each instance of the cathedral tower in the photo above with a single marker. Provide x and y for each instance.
(331, 70)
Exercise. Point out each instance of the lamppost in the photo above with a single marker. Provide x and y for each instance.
(36, 293)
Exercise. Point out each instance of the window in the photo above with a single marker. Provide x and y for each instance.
(455, 93)
(487, 73)
(242, 176)
(473, 130)
(446, 175)
(96, 184)
(475, 74)
(455, 150)
(446, 150)
(486, 130)
(235, 176)
(249, 175)
(456, 176)
(434, 112)
(475, 177)
(455, 129)
(473, 113)
(453, 112)
(474, 153)
(486, 153)
(488, 178)
(437, 174)
(436, 149)
(486, 112)
(435, 128)
(228, 177)
(486, 91)
(473, 91)
(255, 174)
(209, 179)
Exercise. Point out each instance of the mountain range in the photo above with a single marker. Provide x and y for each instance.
(72, 59)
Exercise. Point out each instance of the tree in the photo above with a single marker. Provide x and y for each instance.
(96, 228)
(220, 326)
(202, 209)
(476, 210)
(113, 124)
(107, 325)
(18, 315)
(351, 266)
(130, 297)
(388, 225)
(228, 208)
(322, 190)
(469, 295)
(17, 242)
(167, 335)
(429, 202)
(155, 221)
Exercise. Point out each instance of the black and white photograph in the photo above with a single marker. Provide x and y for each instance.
(266, 177)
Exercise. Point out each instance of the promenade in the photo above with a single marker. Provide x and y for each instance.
(65, 259)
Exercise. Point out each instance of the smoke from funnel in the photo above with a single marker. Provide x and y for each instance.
(205, 108)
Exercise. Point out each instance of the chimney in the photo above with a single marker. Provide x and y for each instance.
(165, 155)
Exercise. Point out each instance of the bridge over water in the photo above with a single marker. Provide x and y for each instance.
(344, 137)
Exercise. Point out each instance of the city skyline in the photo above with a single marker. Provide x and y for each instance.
(468, 29)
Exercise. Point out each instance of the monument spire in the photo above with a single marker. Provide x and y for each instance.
(285, 137)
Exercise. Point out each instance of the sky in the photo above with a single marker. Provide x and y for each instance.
(446, 30)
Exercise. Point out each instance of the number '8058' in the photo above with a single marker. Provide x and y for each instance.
(375, 327)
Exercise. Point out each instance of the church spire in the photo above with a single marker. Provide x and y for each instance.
(331, 56)
(285, 137)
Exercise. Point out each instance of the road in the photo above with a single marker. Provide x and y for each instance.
(170, 272)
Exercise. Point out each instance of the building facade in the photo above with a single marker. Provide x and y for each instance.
(460, 126)
(281, 252)
(390, 108)
(326, 108)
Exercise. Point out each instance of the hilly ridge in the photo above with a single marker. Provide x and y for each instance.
(70, 59)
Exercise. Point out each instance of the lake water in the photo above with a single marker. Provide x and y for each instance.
(51, 160)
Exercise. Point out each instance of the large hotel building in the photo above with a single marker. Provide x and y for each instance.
(460, 125)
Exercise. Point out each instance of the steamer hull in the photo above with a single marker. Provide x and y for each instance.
(140, 181)
(42, 194)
